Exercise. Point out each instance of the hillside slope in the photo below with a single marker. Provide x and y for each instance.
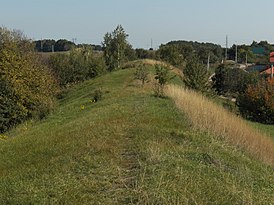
(128, 148)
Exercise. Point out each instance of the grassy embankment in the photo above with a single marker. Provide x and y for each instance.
(128, 148)
(206, 116)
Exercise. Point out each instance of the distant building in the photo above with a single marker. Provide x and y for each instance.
(258, 50)
(267, 70)
(256, 68)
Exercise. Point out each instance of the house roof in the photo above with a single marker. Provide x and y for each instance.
(267, 70)
(271, 57)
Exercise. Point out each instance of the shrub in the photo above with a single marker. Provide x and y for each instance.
(27, 87)
(141, 74)
(76, 66)
(98, 94)
(10, 112)
(257, 103)
(162, 77)
(232, 81)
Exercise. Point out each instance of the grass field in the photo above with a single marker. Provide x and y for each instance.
(128, 148)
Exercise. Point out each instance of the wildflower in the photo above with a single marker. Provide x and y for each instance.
(92, 101)
(3, 137)
(82, 107)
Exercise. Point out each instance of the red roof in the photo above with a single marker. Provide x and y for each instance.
(271, 57)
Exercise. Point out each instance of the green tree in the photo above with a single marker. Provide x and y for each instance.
(64, 45)
(27, 88)
(162, 77)
(141, 74)
(76, 66)
(44, 45)
(231, 81)
(115, 45)
(171, 54)
(196, 76)
(141, 53)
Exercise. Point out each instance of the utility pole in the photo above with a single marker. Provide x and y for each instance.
(208, 62)
(74, 40)
(271, 75)
(226, 45)
(118, 59)
(151, 44)
(236, 54)
(41, 44)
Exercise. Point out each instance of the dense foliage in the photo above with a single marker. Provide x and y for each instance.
(171, 54)
(27, 87)
(257, 103)
(144, 54)
(231, 81)
(256, 52)
(76, 66)
(178, 52)
(50, 45)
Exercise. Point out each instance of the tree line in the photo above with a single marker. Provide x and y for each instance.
(30, 85)
(61, 45)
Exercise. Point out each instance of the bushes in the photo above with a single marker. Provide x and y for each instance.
(27, 87)
(230, 81)
(255, 95)
(257, 103)
(10, 112)
(141, 74)
(161, 77)
(76, 66)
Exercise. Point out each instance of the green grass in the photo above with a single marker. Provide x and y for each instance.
(128, 148)
(267, 129)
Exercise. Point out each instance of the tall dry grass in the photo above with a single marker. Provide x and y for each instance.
(207, 116)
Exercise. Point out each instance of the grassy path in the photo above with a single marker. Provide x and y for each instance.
(128, 148)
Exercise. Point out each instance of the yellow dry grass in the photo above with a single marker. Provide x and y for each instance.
(152, 62)
(173, 69)
(207, 116)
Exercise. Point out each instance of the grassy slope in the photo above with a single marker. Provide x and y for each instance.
(129, 148)
(268, 129)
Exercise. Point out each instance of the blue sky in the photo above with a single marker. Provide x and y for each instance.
(161, 20)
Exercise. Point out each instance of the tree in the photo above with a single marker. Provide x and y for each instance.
(76, 66)
(171, 54)
(231, 81)
(115, 45)
(219, 79)
(196, 76)
(141, 74)
(64, 45)
(257, 102)
(44, 45)
(27, 88)
(162, 77)
(141, 53)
